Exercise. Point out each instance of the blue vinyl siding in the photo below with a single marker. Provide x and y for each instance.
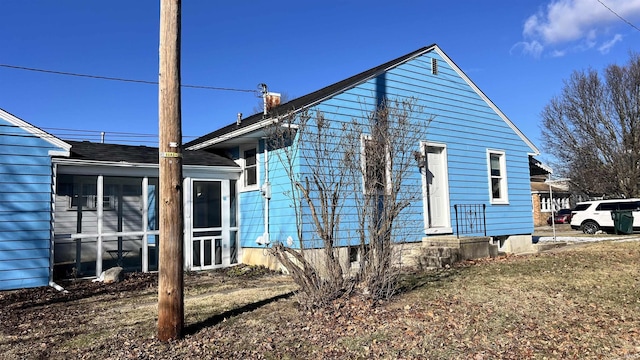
(25, 280)
(25, 208)
(252, 204)
(465, 123)
(251, 217)
(282, 216)
(35, 242)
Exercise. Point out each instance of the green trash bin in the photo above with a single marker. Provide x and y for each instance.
(622, 221)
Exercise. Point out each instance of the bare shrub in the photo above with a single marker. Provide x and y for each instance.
(353, 170)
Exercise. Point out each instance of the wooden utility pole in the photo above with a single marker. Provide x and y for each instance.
(170, 269)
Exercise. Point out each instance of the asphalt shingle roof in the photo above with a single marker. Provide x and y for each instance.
(311, 98)
(85, 150)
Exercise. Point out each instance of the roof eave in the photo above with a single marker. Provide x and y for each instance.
(234, 134)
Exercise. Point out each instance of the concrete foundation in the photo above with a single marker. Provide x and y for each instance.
(432, 252)
(260, 257)
(517, 244)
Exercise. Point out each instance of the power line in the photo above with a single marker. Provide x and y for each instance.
(616, 14)
(120, 79)
(80, 134)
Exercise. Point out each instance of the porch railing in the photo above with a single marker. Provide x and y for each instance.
(470, 219)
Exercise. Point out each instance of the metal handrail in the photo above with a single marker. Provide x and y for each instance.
(470, 219)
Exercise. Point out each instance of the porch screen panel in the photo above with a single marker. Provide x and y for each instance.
(233, 247)
(207, 205)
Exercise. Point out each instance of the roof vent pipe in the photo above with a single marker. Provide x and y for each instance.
(239, 119)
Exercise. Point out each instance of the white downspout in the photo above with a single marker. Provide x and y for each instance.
(266, 192)
(51, 231)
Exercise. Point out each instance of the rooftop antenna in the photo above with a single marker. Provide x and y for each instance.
(264, 91)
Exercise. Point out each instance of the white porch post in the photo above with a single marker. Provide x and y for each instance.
(226, 220)
(99, 200)
(187, 186)
(145, 224)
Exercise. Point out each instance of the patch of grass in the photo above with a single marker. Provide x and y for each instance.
(86, 339)
(581, 302)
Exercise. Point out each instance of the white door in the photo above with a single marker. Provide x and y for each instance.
(436, 190)
(209, 248)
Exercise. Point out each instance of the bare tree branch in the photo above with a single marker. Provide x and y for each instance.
(592, 130)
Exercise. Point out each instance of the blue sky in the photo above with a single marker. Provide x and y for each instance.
(517, 52)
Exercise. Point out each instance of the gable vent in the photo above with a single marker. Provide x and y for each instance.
(434, 66)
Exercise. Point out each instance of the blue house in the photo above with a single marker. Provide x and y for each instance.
(26, 183)
(474, 171)
(73, 209)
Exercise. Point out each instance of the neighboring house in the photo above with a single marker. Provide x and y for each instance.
(74, 209)
(549, 195)
(547, 198)
(26, 180)
(476, 156)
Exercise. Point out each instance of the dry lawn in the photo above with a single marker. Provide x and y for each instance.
(578, 302)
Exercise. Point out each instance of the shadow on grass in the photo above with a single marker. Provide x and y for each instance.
(216, 319)
(414, 281)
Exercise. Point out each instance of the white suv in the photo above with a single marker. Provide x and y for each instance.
(591, 216)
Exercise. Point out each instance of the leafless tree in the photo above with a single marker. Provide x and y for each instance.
(348, 180)
(593, 130)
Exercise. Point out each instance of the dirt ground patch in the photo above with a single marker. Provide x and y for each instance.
(583, 303)
(46, 323)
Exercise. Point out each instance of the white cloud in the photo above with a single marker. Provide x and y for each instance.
(532, 48)
(604, 48)
(577, 24)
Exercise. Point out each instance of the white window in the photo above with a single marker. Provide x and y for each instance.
(497, 177)
(249, 161)
(376, 172)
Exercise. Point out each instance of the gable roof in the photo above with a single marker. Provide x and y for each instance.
(303, 101)
(257, 121)
(116, 153)
(33, 130)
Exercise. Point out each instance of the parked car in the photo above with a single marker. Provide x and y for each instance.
(562, 216)
(592, 216)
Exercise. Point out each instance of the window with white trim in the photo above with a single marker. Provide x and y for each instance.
(497, 177)
(376, 170)
(249, 156)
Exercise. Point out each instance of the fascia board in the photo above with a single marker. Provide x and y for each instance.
(233, 134)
